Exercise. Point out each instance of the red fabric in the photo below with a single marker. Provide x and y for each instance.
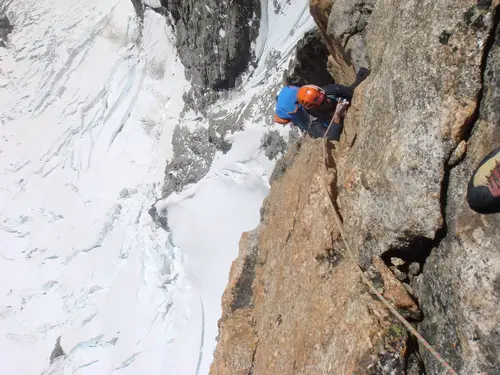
(280, 120)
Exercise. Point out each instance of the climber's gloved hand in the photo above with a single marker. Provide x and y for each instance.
(340, 111)
(342, 108)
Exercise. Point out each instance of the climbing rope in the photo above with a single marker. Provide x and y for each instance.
(365, 279)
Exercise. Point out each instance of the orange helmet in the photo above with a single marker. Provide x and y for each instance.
(310, 96)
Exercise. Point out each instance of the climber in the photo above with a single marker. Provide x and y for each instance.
(483, 192)
(311, 108)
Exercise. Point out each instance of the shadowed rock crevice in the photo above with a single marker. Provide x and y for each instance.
(359, 13)
(395, 342)
(243, 292)
(490, 41)
(310, 64)
(251, 371)
(408, 261)
(414, 364)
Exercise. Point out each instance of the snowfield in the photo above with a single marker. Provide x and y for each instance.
(89, 98)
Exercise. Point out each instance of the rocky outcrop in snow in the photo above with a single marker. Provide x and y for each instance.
(417, 129)
(57, 351)
(5, 29)
(193, 156)
(214, 40)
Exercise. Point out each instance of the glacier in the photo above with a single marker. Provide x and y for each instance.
(89, 98)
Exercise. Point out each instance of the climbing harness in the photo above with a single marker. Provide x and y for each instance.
(365, 279)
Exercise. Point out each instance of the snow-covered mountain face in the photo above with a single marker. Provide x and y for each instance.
(90, 100)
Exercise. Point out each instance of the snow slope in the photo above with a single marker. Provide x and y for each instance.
(88, 102)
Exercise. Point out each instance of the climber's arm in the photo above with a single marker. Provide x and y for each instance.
(334, 90)
(338, 121)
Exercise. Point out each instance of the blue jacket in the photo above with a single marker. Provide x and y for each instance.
(287, 108)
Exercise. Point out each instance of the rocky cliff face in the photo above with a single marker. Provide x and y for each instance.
(295, 304)
(417, 128)
(460, 287)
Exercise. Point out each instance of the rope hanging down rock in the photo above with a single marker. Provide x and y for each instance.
(365, 279)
